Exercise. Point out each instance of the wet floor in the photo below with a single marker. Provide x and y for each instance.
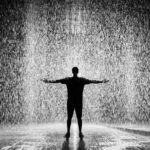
(50, 137)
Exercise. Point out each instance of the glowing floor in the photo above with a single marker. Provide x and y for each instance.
(50, 137)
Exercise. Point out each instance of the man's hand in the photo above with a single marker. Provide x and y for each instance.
(105, 81)
(45, 80)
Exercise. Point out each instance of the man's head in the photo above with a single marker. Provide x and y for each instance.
(75, 71)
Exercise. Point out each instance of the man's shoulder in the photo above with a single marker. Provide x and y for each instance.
(76, 78)
(82, 78)
(66, 78)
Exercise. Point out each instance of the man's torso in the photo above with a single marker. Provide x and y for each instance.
(75, 88)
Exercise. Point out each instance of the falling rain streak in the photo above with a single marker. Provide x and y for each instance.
(104, 42)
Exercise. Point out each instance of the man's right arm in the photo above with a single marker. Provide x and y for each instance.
(54, 81)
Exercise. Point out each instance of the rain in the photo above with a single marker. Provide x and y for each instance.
(45, 39)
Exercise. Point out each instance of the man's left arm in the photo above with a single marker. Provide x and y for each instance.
(97, 81)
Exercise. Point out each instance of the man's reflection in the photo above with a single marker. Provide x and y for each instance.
(65, 145)
(81, 145)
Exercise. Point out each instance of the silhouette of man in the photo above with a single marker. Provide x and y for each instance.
(75, 86)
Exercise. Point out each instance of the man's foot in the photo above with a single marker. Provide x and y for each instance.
(81, 135)
(67, 135)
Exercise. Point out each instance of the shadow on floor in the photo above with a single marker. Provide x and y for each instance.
(81, 145)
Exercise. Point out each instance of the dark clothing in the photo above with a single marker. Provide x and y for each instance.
(75, 86)
(71, 108)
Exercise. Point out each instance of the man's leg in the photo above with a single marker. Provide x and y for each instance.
(70, 109)
(78, 110)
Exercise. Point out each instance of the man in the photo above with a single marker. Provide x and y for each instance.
(75, 86)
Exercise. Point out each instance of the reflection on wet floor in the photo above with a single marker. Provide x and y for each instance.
(136, 148)
(81, 145)
(65, 145)
(52, 138)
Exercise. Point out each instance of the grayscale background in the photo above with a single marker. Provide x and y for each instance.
(108, 39)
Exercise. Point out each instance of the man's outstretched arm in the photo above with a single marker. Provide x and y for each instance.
(51, 81)
(97, 81)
